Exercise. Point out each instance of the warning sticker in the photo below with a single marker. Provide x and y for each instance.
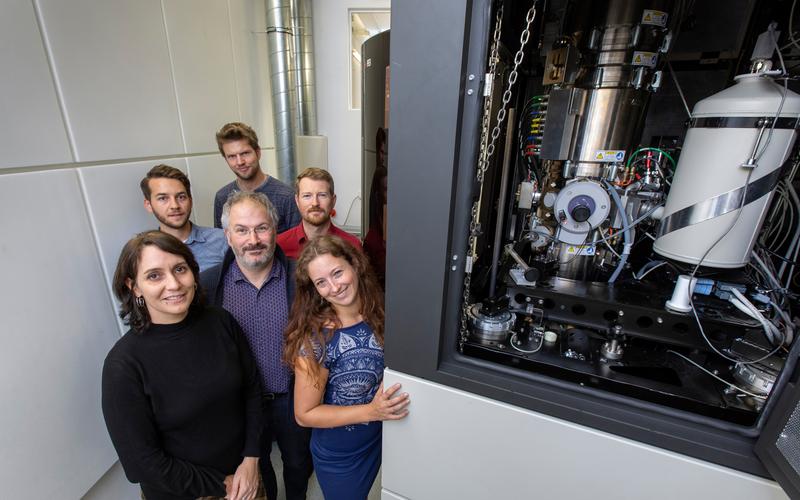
(648, 59)
(654, 17)
(610, 155)
(580, 250)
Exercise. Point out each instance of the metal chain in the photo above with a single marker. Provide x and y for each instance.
(494, 57)
(486, 151)
(482, 159)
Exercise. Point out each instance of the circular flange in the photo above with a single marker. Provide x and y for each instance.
(582, 193)
(487, 328)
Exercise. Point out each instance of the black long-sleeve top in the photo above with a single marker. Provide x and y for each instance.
(182, 404)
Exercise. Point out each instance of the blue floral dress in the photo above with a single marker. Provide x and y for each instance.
(347, 459)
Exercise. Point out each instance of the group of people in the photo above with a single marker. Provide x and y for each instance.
(268, 327)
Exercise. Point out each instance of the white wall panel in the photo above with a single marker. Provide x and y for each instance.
(112, 63)
(33, 131)
(100, 82)
(200, 42)
(251, 58)
(454, 444)
(207, 174)
(116, 204)
(57, 326)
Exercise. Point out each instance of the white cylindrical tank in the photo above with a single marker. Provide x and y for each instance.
(709, 180)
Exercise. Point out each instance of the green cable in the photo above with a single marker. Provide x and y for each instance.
(632, 156)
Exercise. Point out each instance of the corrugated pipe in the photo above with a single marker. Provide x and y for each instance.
(279, 40)
(306, 103)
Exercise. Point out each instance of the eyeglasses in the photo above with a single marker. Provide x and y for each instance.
(244, 232)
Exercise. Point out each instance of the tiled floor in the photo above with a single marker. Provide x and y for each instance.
(314, 493)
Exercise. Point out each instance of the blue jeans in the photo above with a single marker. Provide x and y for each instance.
(293, 441)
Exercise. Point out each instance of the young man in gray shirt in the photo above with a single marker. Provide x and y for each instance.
(238, 144)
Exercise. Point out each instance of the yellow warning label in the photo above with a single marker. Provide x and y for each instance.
(648, 59)
(580, 250)
(610, 155)
(654, 18)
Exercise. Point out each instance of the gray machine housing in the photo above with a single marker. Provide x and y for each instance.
(434, 136)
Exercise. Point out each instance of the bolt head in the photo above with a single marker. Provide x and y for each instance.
(469, 91)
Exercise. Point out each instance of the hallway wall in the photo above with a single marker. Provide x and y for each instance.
(94, 93)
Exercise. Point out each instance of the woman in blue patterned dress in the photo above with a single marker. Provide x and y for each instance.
(334, 342)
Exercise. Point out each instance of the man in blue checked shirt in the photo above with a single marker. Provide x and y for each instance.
(168, 196)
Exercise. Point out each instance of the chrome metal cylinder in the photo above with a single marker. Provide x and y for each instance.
(279, 40)
(306, 103)
(621, 44)
(573, 263)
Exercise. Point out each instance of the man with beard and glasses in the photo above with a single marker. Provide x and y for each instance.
(255, 283)
(238, 144)
(168, 196)
(313, 193)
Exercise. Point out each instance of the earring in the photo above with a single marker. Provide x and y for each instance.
(139, 301)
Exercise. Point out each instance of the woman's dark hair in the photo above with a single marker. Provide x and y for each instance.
(128, 267)
(312, 319)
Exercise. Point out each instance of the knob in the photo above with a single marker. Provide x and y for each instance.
(532, 274)
(581, 207)
(581, 213)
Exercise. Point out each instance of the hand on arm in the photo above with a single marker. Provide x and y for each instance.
(311, 412)
(243, 485)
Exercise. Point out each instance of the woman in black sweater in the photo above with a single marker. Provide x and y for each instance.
(181, 397)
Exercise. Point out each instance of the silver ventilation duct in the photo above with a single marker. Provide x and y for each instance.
(279, 40)
(304, 67)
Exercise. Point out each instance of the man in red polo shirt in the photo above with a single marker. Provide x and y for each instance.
(313, 193)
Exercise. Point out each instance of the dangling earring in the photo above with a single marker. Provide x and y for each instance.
(139, 301)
